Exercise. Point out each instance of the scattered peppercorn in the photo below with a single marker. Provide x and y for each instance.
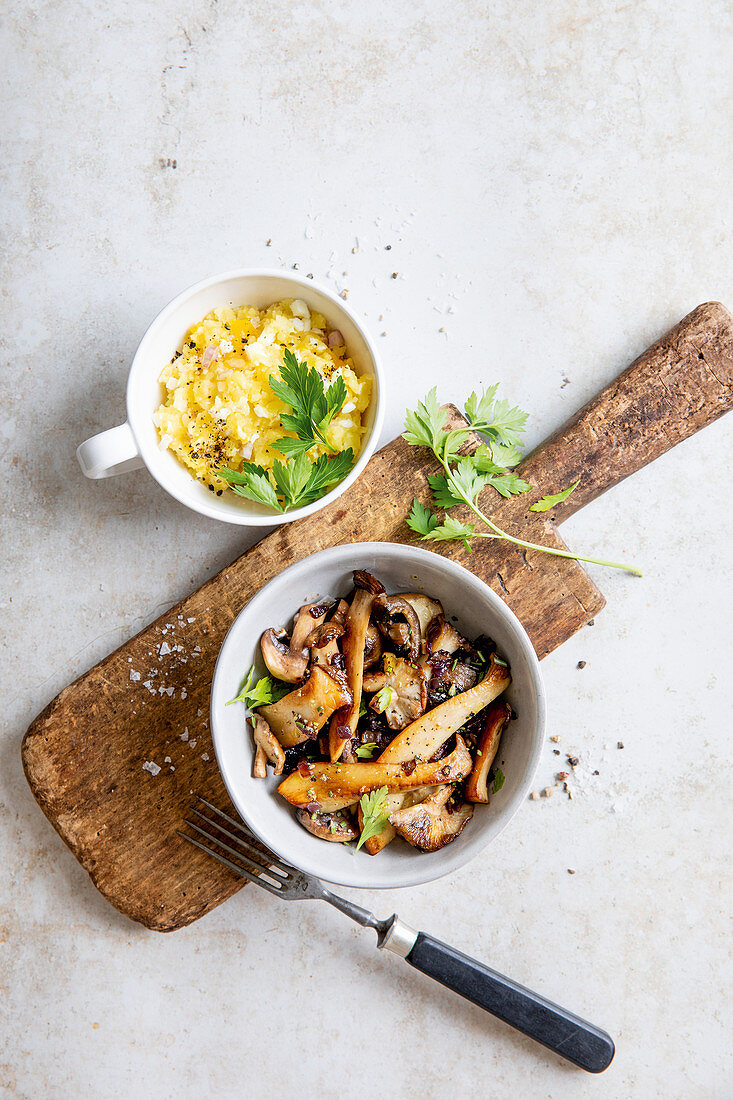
(619, 744)
(573, 761)
(582, 664)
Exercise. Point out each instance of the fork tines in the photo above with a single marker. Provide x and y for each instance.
(250, 860)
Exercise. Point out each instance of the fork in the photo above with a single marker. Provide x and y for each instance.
(554, 1027)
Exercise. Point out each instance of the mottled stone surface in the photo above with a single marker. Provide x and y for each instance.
(554, 183)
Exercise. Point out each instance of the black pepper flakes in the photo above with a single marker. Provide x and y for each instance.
(582, 664)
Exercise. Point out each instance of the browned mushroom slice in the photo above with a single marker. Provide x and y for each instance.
(336, 827)
(308, 618)
(389, 610)
(289, 662)
(426, 610)
(426, 734)
(429, 825)
(447, 675)
(299, 715)
(323, 644)
(329, 787)
(497, 717)
(403, 695)
(340, 612)
(344, 722)
(267, 748)
(283, 662)
(372, 646)
(442, 636)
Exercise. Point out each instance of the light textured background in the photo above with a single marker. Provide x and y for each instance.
(554, 181)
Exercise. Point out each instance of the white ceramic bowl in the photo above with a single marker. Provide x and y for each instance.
(135, 443)
(478, 611)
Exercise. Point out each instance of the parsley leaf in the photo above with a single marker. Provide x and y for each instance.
(421, 519)
(484, 460)
(499, 780)
(505, 457)
(265, 691)
(496, 418)
(508, 485)
(252, 483)
(291, 479)
(368, 750)
(375, 814)
(425, 426)
(326, 472)
(452, 528)
(548, 502)
(289, 446)
(508, 422)
(467, 480)
(313, 407)
(480, 408)
(442, 493)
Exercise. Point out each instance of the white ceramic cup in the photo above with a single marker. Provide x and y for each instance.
(135, 443)
(478, 611)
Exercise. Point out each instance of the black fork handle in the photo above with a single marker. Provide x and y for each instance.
(561, 1031)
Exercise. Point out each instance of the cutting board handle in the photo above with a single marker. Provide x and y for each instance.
(679, 385)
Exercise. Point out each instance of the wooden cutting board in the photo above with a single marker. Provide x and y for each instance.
(90, 755)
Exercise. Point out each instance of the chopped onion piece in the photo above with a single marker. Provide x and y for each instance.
(209, 355)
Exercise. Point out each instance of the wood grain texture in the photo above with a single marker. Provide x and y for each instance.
(676, 387)
(84, 754)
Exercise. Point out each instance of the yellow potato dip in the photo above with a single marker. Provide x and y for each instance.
(218, 408)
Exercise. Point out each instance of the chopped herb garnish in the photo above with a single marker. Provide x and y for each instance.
(385, 697)
(374, 814)
(264, 691)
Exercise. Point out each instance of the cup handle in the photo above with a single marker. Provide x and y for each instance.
(112, 452)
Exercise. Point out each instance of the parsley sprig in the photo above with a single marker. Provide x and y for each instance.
(465, 476)
(375, 814)
(314, 407)
(298, 480)
(264, 691)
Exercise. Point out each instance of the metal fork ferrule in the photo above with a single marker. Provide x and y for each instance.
(399, 938)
